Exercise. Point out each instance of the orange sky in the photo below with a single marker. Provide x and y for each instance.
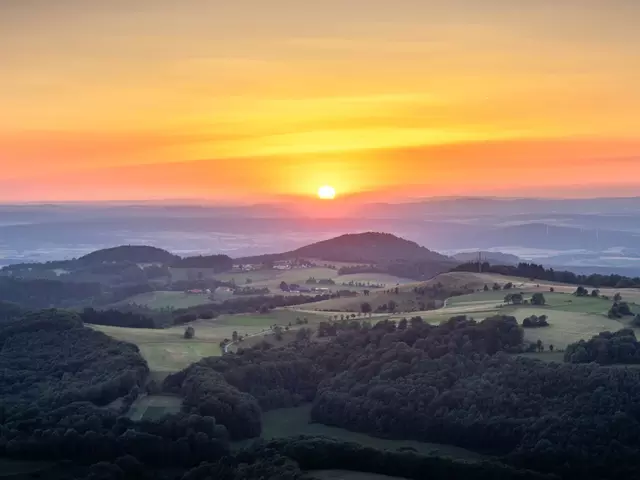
(253, 99)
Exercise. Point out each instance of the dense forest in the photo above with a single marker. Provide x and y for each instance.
(116, 318)
(457, 383)
(59, 379)
(606, 348)
(538, 272)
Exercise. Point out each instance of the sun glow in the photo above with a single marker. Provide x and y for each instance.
(326, 192)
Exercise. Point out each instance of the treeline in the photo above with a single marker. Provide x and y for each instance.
(140, 316)
(538, 272)
(221, 263)
(262, 304)
(294, 459)
(39, 293)
(116, 318)
(606, 348)
(416, 270)
(36, 293)
(360, 269)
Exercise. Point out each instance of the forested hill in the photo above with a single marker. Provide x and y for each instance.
(129, 253)
(370, 247)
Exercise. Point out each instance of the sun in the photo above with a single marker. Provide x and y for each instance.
(327, 192)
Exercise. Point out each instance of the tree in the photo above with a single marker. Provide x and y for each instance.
(234, 336)
(365, 307)
(595, 293)
(189, 332)
(581, 292)
(551, 348)
(538, 299)
(617, 297)
(486, 287)
(277, 330)
(303, 334)
(551, 289)
(391, 306)
(284, 287)
(517, 298)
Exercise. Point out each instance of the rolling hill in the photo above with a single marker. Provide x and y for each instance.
(369, 247)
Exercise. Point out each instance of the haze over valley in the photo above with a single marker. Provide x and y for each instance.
(588, 235)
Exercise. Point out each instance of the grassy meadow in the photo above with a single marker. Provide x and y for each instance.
(571, 318)
(166, 350)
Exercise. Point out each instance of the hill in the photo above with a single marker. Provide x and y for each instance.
(129, 253)
(369, 247)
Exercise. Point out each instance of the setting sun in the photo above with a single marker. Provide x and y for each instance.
(327, 192)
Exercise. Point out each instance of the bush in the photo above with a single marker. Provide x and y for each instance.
(189, 332)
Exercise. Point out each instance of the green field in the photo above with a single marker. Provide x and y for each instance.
(571, 318)
(166, 350)
(272, 278)
(153, 407)
(565, 327)
(287, 422)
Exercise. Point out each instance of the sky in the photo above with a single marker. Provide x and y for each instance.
(255, 100)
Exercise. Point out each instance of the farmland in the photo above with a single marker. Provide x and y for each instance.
(272, 278)
(287, 422)
(571, 318)
(166, 350)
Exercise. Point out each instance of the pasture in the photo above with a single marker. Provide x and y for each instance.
(272, 278)
(166, 350)
(153, 407)
(287, 422)
(571, 318)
